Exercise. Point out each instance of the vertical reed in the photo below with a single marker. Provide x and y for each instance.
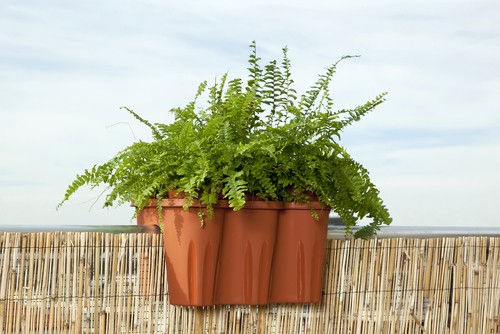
(69, 282)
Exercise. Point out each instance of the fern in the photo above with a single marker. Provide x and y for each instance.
(234, 190)
(156, 133)
(354, 115)
(254, 71)
(80, 180)
(254, 137)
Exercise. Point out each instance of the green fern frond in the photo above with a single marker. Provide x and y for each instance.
(354, 115)
(157, 134)
(255, 71)
(79, 181)
(234, 190)
(254, 137)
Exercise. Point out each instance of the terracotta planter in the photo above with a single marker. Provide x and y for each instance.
(268, 252)
(299, 254)
(148, 217)
(246, 254)
(191, 251)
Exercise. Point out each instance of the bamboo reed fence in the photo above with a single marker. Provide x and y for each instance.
(89, 282)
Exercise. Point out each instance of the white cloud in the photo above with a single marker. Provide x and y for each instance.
(66, 68)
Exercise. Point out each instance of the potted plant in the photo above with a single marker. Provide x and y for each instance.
(253, 150)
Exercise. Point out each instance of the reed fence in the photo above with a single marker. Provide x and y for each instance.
(92, 282)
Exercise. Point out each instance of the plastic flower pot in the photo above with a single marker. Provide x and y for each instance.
(299, 254)
(246, 254)
(191, 251)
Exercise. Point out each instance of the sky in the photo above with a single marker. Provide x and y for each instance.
(66, 68)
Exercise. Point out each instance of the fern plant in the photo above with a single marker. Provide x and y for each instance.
(252, 137)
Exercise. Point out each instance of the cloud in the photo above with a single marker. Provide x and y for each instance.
(66, 68)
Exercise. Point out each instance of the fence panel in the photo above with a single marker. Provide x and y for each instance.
(94, 282)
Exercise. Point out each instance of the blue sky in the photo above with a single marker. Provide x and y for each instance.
(433, 148)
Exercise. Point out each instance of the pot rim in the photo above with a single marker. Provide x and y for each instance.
(179, 203)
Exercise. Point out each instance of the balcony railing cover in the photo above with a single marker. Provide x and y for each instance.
(101, 282)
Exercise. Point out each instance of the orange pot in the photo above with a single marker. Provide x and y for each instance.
(246, 254)
(148, 216)
(299, 254)
(191, 251)
(267, 252)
